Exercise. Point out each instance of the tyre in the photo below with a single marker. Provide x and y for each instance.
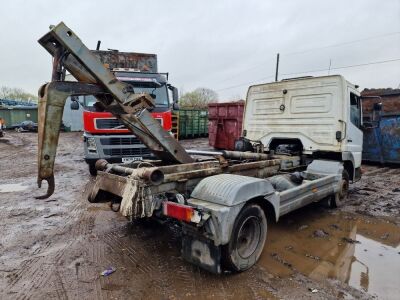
(247, 239)
(340, 198)
(92, 169)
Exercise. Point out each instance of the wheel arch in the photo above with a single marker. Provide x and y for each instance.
(231, 193)
(349, 167)
(267, 206)
(349, 164)
(276, 141)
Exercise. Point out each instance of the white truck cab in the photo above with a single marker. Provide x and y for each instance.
(320, 116)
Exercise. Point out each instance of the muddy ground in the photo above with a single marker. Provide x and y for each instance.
(57, 248)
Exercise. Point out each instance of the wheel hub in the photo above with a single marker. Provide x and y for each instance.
(248, 236)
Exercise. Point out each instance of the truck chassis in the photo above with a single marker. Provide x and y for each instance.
(207, 197)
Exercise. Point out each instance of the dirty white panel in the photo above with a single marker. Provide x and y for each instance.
(311, 103)
(308, 109)
(267, 106)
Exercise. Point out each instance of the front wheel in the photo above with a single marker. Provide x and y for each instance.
(247, 240)
(340, 198)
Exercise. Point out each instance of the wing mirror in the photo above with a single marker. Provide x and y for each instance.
(376, 112)
(175, 94)
(175, 106)
(74, 103)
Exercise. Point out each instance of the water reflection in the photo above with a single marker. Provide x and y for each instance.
(360, 251)
(14, 187)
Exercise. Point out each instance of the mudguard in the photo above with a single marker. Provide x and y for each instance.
(230, 189)
(224, 195)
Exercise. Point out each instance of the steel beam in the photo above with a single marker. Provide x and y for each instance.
(69, 51)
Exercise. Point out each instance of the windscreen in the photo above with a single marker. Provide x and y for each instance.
(160, 94)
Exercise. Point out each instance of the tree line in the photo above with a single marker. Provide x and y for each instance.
(196, 99)
(10, 93)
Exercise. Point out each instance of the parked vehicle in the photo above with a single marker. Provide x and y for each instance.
(25, 126)
(314, 117)
(222, 201)
(105, 137)
(30, 126)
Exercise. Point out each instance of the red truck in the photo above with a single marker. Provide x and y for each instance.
(105, 137)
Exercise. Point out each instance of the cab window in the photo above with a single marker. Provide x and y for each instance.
(355, 110)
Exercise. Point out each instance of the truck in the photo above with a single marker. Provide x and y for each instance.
(308, 117)
(105, 137)
(221, 200)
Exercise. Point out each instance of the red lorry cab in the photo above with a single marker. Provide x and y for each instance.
(105, 137)
(106, 123)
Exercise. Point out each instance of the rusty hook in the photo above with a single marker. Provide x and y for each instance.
(50, 187)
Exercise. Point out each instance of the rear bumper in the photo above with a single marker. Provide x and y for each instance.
(201, 252)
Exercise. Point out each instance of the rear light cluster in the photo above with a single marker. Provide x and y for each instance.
(181, 212)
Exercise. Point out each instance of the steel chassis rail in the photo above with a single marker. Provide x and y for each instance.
(175, 179)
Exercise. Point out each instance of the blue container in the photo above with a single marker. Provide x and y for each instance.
(382, 140)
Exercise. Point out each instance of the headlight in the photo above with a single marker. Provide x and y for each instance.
(91, 144)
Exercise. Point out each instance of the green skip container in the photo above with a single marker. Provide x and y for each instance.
(193, 123)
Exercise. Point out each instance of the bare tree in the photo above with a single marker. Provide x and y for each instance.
(199, 98)
(16, 94)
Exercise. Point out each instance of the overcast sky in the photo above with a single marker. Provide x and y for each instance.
(222, 45)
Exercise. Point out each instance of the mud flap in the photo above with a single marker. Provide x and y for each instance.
(202, 253)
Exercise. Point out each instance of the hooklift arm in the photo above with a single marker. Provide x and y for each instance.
(69, 53)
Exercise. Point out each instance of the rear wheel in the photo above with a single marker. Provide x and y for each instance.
(247, 240)
(340, 198)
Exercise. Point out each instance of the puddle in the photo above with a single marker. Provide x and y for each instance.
(14, 187)
(361, 251)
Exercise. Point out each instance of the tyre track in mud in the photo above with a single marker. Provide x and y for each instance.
(175, 277)
(73, 233)
(36, 272)
(85, 241)
(39, 272)
(138, 261)
(42, 271)
(377, 193)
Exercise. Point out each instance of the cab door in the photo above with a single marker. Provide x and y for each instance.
(354, 134)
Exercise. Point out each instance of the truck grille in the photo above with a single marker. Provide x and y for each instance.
(120, 141)
(127, 152)
(109, 124)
